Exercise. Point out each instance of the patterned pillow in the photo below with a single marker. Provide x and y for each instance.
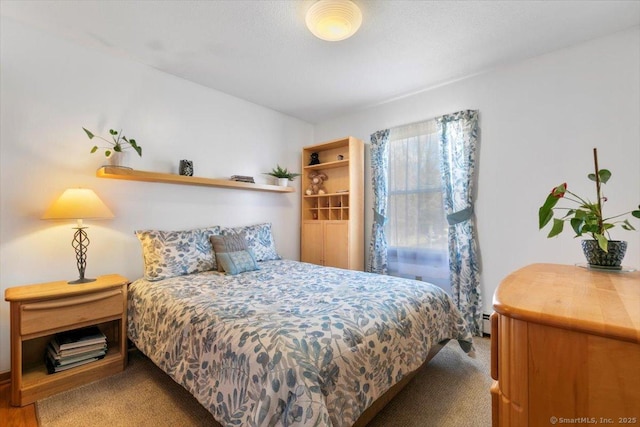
(230, 242)
(232, 254)
(176, 253)
(259, 240)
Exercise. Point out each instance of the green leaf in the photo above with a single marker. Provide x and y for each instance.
(94, 149)
(557, 228)
(602, 241)
(107, 153)
(636, 213)
(603, 174)
(576, 224)
(117, 148)
(544, 216)
(89, 134)
(580, 213)
(627, 225)
(113, 132)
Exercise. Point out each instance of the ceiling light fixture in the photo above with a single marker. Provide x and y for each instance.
(334, 20)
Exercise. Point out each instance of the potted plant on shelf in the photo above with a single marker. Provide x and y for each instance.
(283, 175)
(588, 218)
(115, 149)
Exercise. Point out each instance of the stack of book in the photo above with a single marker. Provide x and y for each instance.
(242, 178)
(74, 348)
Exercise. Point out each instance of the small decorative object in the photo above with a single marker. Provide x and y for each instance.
(340, 157)
(588, 218)
(116, 148)
(315, 159)
(186, 167)
(283, 175)
(317, 179)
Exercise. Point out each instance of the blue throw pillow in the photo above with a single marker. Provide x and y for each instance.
(237, 262)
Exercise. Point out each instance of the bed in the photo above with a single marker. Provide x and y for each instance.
(287, 343)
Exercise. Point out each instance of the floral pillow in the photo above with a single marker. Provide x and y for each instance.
(259, 240)
(176, 253)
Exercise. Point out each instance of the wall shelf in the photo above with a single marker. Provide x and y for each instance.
(169, 178)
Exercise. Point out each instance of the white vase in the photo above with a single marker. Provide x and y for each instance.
(118, 160)
(283, 182)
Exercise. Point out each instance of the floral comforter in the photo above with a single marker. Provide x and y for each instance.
(291, 344)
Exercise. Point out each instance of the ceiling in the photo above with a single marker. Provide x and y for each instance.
(261, 51)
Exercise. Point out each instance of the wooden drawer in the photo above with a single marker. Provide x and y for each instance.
(52, 314)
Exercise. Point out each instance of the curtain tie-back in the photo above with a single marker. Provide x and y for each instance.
(460, 216)
(379, 219)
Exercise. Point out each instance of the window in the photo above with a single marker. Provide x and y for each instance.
(416, 229)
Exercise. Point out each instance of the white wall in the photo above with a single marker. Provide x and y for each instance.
(51, 88)
(539, 121)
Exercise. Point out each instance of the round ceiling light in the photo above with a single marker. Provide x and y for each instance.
(334, 20)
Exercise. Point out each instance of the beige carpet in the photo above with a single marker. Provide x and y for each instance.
(452, 391)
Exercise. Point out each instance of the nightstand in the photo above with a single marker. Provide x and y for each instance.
(41, 310)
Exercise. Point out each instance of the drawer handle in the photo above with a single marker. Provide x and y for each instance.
(76, 301)
(494, 345)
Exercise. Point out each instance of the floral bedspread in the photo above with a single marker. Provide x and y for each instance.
(291, 344)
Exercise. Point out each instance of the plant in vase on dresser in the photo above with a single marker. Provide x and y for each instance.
(588, 218)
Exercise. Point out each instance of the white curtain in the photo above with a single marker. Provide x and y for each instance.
(416, 229)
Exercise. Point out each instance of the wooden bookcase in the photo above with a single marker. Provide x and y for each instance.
(333, 223)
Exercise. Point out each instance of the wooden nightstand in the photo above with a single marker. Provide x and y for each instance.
(39, 311)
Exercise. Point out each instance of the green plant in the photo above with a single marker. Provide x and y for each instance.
(587, 218)
(118, 145)
(279, 172)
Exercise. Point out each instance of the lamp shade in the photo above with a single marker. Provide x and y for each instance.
(333, 20)
(78, 203)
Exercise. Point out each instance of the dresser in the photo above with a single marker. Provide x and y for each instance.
(566, 347)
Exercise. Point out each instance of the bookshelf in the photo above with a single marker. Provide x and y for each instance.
(332, 224)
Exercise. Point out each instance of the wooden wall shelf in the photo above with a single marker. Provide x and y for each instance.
(169, 178)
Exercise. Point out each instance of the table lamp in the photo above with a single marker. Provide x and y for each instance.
(79, 204)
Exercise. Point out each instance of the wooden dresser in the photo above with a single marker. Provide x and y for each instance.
(566, 347)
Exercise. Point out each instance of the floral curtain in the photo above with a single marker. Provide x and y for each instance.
(379, 175)
(458, 148)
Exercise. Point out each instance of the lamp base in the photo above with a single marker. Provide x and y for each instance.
(79, 281)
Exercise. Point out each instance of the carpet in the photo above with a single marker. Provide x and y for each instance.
(452, 391)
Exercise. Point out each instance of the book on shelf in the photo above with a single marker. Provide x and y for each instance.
(52, 369)
(79, 338)
(65, 359)
(242, 178)
(75, 348)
